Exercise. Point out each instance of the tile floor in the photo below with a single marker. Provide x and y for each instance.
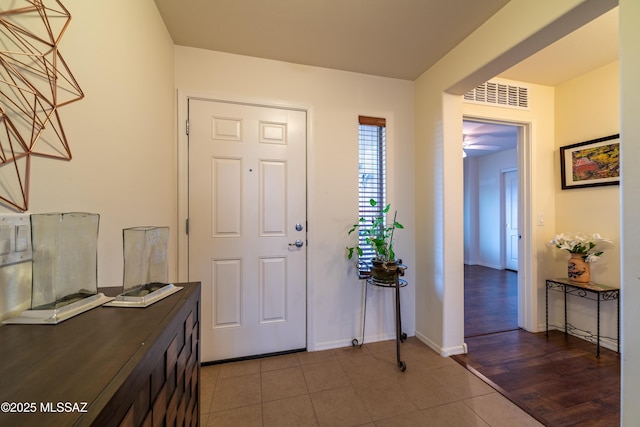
(354, 386)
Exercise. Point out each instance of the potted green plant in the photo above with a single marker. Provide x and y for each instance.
(380, 237)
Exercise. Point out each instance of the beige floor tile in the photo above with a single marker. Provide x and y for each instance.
(279, 362)
(408, 419)
(234, 392)
(208, 379)
(294, 411)
(236, 369)
(366, 366)
(353, 386)
(455, 414)
(206, 396)
(308, 358)
(389, 362)
(246, 416)
(382, 398)
(462, 383)
(352, 351)
(209, 373)
(283, 383)
(381, 346)
(423, 358)
(498, 411)
(425, 391)
(339, 407)
(325, 376)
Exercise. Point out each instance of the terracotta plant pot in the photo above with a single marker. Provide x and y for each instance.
(578, 269)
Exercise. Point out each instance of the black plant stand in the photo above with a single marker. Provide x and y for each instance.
(396, 284)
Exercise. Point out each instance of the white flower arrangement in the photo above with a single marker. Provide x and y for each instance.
(590, 247)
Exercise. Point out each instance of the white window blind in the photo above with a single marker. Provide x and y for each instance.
(372, 174)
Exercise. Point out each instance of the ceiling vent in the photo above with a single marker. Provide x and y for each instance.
(499, 94)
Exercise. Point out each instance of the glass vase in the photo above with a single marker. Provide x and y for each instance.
(65, 261)
(145, 260)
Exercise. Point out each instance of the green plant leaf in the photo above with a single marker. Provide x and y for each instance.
(350, 254)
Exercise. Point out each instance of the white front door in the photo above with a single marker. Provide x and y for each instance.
(247, 211)
(511, 219)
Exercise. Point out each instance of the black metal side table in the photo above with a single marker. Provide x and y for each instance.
(396, 284)
(590, 291)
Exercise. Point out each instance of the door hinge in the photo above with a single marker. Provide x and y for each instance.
(187, 126)
(186, 226)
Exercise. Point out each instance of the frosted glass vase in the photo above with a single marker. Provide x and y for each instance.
(145, 260)
(65, 258)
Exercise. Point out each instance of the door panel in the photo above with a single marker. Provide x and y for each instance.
(226, 200)
(511, 219)
(247, 192)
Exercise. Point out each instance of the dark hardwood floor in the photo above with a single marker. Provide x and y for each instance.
(490, 300)
(557, 379)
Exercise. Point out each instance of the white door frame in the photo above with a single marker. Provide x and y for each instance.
(182, 157)
(527, 290)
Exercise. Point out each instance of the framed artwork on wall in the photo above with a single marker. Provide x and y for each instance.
(591, 163)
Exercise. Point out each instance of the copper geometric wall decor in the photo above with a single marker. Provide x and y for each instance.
(35, 82)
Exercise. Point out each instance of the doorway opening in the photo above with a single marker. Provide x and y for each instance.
(493, 152)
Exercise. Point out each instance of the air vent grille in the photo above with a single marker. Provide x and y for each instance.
(499, 94)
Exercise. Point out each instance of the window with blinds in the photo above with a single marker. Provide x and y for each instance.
(372, 174)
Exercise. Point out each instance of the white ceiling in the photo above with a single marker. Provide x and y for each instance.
(589, 47)
(389, 38)
(480, 138)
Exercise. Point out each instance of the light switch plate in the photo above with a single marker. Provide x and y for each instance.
(5, 239)
(15, 238)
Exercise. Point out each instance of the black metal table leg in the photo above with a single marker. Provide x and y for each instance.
(598, 330)
(565, 309)
(400, 336)
(354, 342)
(546, 307)
(401, 364)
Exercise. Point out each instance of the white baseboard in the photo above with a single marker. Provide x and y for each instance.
(442, 351)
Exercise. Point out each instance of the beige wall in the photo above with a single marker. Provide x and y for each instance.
(121, 134)
(334, 99)
(587, 108)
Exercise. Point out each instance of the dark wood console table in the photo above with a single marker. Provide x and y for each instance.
(109, 366)
(591, 291)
